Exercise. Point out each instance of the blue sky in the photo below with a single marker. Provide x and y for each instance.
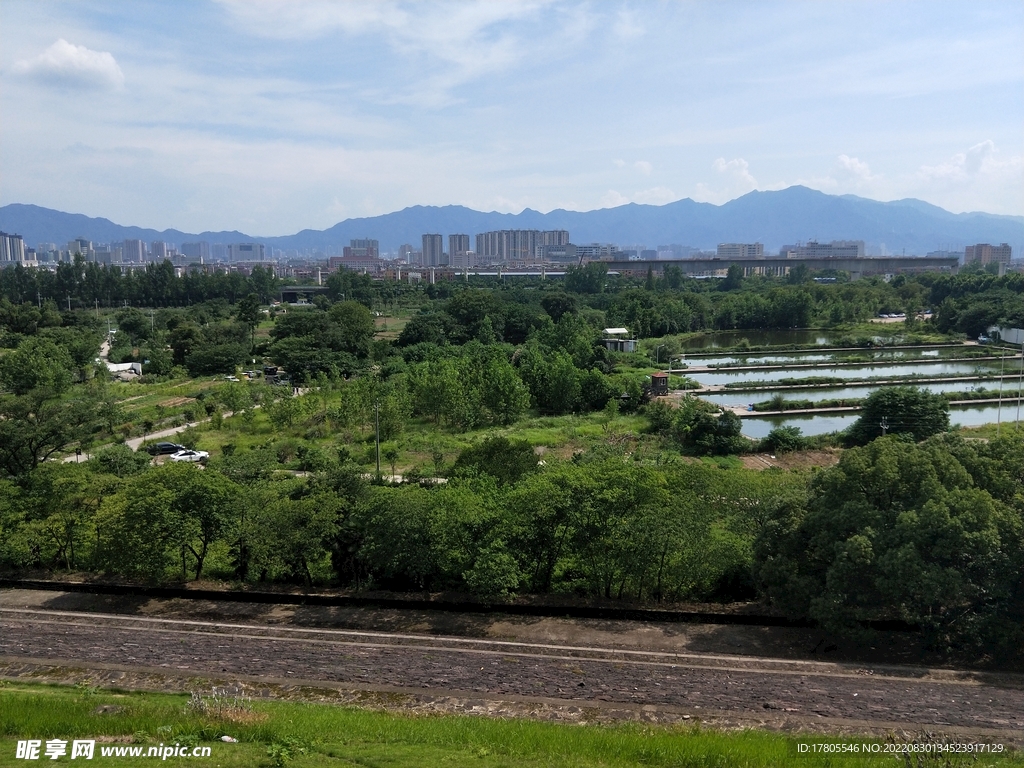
(270, 117)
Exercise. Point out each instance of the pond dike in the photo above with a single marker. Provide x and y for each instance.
(742, 411)
(841, 364)
(719, 388)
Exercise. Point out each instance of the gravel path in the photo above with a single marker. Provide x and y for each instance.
(739, 686)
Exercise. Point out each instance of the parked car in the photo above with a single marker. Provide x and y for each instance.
(189, 455)
(161, 449)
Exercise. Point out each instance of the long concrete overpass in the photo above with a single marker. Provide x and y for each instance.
(856, 267)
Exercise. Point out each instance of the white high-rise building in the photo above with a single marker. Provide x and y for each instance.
(12, 248)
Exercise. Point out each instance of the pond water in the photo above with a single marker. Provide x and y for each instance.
(757, 338)
(844, 393)
(785, 358)
(714, 378)
(810, 424)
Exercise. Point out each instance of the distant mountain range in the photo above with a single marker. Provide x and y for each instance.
(772, 218)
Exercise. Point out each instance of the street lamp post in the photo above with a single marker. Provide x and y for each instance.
(376, 423)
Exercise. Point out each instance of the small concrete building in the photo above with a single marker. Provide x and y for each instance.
(613, 342)
(125, 371)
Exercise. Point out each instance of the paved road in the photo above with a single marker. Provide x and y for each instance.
(739, 686)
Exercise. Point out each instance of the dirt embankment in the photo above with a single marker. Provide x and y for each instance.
(725, 676)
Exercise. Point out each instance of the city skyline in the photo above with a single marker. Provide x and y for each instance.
(273, 117)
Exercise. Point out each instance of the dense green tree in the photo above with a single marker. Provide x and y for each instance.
(216, 358)
(507, 461)
(503, 392)
(135, 527)
(61, 501)
(248, 312)
(558, 304)
(900, 411)
(586, 279)
(26, 318)
(37, 363)
(35, 427)
(733, 278)
(353, 328)
(896, 530)
(699, 427)
(783, 440)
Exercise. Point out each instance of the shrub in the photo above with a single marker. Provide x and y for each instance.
(783, 439)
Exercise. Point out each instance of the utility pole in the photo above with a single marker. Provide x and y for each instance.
(884, 425)
(999, 408)
(376, 423)
(1020, 383)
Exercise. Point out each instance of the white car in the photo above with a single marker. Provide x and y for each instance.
(188, 455)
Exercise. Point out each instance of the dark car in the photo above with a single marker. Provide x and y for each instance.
(159, 449)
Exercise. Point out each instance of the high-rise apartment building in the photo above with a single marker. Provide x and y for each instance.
(988, 254)
(82, 246)
(740, 251)
(200, 250)
(12, 248)
(433, 251)
(246, 252)
(458, 251)
(158, 250)
(518, 245)
(362, 249)
(134, 251)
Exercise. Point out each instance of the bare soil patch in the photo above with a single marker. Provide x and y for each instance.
(176, 401)
(794, 460)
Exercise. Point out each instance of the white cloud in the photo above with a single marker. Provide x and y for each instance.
(612, 199)
(853, 167)
(739, 171)
(66, 64)
(468, 40)
(640, 165)
(981, 158)
(979, 178)
(736, 180)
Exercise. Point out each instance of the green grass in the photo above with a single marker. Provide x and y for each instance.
(303, 734)
(420, 438)
(991, 431)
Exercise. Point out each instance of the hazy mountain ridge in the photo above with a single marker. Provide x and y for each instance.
(773, 218)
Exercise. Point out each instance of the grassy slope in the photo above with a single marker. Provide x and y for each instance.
(322, 734)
